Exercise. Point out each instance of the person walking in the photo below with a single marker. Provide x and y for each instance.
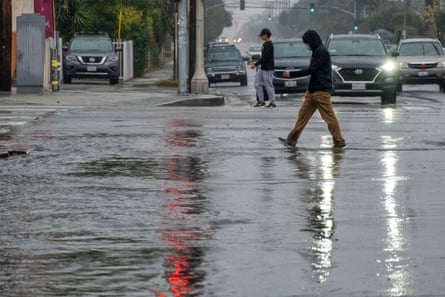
(318, 94)
(266, 66)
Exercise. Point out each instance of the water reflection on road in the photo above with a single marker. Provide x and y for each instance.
(396, 241)
(320, 168)
(184, 206)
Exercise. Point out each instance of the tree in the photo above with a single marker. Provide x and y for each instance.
(390, 17)
(430, 16)
(216, 18)
(440, 23)
(76, 17)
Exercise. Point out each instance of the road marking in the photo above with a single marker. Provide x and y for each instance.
(12, 123)
(15, 117)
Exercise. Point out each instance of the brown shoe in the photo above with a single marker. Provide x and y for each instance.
(339, 145)
(287, 143)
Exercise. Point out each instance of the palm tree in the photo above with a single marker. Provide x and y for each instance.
(73, 16)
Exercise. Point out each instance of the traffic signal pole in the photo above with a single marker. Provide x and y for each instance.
(5, 45)
(183, 46)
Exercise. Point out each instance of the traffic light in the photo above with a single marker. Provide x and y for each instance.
(312, 7)
(269, 18)
(242, 4)
(355, 27)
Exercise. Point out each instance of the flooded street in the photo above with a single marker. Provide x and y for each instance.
(152, 201)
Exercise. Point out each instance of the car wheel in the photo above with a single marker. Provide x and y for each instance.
(67, 79)
(389, 98)
(244, 81)
(114, 80)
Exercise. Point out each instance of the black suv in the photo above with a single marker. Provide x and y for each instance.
(91, 56)
(362, 67)
(224, 63)
(290, 55)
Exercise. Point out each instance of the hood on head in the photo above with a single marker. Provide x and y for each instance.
(312, 38)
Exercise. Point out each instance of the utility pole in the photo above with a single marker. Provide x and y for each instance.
(5, 45)
(200, 83)
(183, 46)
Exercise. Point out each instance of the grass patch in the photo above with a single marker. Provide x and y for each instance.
(167, 83)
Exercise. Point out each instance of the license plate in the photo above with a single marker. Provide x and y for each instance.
(290, 83)
(225, 76)
(422, 73)
(358, 87)
(91, 68)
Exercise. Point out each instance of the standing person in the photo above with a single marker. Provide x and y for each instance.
(318, 94)
(265, 72)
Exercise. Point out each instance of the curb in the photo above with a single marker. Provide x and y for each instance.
(11, 153)
(197, 101)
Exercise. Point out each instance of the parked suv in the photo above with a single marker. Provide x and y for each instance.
(362, 66)
(224, 63)
(422, 61)
(290, 55)
(91, 56)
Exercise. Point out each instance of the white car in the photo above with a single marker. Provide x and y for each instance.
(254, 53)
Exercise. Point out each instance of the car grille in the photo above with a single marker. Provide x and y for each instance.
(278, 73)
(359, 74)
(92, 59)
(224, 69)
(422, 65)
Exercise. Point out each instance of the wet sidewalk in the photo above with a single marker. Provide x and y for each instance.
(98, 93)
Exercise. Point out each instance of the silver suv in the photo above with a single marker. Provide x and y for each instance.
(422, 61)
(91, 56)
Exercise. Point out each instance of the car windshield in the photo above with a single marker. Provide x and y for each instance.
(431, 49)
(291, 50)
(90, 44)
(224, 55)
(356, 47)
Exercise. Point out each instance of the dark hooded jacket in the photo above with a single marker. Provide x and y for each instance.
(320, 67)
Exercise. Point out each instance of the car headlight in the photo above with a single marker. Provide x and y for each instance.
(403, 65)
(442, 64)
(209, 70)
(389, 66)
(71, 58)
(113, 58)
(335, 67)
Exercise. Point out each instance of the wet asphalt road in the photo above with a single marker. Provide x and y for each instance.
(149, 201)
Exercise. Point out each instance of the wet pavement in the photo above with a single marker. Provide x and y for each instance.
(137, 200)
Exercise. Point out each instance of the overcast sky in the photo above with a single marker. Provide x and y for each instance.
(242, 16)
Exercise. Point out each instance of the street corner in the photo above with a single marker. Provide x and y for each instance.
(196, 101)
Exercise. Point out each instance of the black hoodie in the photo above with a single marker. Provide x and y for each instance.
(320, 68)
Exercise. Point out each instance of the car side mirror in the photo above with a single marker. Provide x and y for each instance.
(394, 54)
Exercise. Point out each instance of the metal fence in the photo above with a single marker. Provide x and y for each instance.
(125, 51)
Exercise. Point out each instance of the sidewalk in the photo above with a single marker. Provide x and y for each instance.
(138, 90)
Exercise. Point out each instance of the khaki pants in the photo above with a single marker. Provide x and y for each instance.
(312, 101)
